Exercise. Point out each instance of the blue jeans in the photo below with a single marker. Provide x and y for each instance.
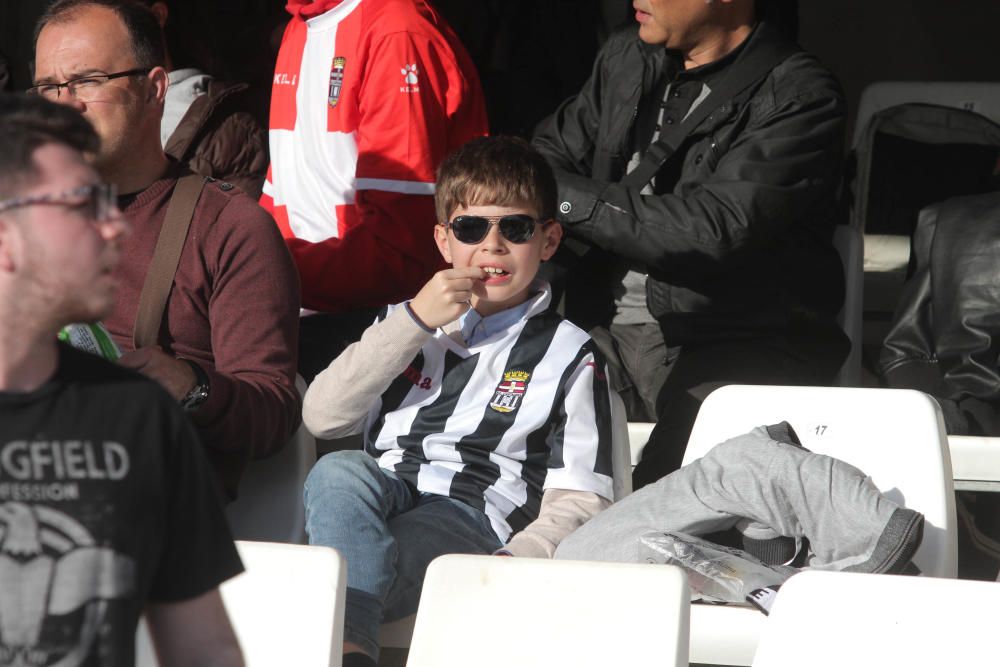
(389, 533)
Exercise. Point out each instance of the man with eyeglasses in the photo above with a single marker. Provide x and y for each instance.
(108, 509)
(227, 345)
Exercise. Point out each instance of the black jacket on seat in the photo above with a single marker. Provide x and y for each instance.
(945, 335)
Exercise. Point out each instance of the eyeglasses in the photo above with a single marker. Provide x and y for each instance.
(516, 228)
(99, 202)
(84, 88)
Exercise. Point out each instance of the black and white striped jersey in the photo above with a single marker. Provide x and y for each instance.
(495, 424)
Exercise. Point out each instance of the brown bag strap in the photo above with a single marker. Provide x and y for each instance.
(166, 256)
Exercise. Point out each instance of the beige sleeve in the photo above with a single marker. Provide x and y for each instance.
(338, 400)
(561, 513)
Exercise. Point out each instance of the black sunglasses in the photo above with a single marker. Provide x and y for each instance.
(517, 228)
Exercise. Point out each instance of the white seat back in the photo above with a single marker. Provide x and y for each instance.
(896, 436)
(269, 507)
(638, 438)
(886, 255)
(491, 611)
(833, 619)
(982, 97)
(975, 462)
(850, 245)
(286, 609)
(621, 452)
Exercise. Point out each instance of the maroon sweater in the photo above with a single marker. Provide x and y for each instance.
(233, 309)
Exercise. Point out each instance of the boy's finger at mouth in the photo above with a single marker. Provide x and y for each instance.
(467, 272)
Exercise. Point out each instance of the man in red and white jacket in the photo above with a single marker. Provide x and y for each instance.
(368, 97)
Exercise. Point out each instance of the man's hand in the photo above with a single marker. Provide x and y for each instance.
(173, 374)
(447, 295)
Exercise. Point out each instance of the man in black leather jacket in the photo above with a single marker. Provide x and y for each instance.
(721, 269)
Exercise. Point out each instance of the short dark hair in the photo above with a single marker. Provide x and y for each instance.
(28, 122)
(143, 30)
(498, 171)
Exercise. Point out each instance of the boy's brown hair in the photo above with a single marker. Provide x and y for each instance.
(495, 171)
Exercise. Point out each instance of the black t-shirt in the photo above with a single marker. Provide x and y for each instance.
(106, 503)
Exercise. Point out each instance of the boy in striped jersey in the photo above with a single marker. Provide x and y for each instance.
(486, 416)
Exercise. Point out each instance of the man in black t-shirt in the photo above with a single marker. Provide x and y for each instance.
(108, 509)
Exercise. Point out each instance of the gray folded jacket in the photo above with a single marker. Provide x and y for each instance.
(768, 487)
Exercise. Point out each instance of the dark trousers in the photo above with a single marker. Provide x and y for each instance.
(322, 337)
(638, 362)
(805, 355)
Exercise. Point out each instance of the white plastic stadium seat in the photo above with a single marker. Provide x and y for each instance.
(286, 609)
(833, 619)
(621, 454)
(490, 611)
(982, 97)
(886, 257)
(896, 436)
(269, 507)
(638, 436)
(975, 462)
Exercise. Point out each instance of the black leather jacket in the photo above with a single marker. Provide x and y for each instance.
(945, 337)
(739, 244)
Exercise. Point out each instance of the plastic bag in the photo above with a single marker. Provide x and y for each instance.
(92, 338)
(715, 573)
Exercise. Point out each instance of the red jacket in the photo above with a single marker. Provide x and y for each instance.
(368, 97)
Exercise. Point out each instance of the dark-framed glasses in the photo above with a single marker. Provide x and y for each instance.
(99, 202)
(84, 88)
(516, 228)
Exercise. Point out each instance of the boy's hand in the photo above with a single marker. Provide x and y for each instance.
(446, 296)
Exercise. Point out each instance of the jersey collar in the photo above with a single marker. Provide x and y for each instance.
(307, 9)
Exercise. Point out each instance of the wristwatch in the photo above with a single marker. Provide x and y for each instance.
(199, 392)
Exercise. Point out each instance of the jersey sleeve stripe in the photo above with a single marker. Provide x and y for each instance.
(389, 185)
(602, 411)
(555, 439)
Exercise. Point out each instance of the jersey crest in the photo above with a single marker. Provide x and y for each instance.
(509, 392)
(336, 80)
